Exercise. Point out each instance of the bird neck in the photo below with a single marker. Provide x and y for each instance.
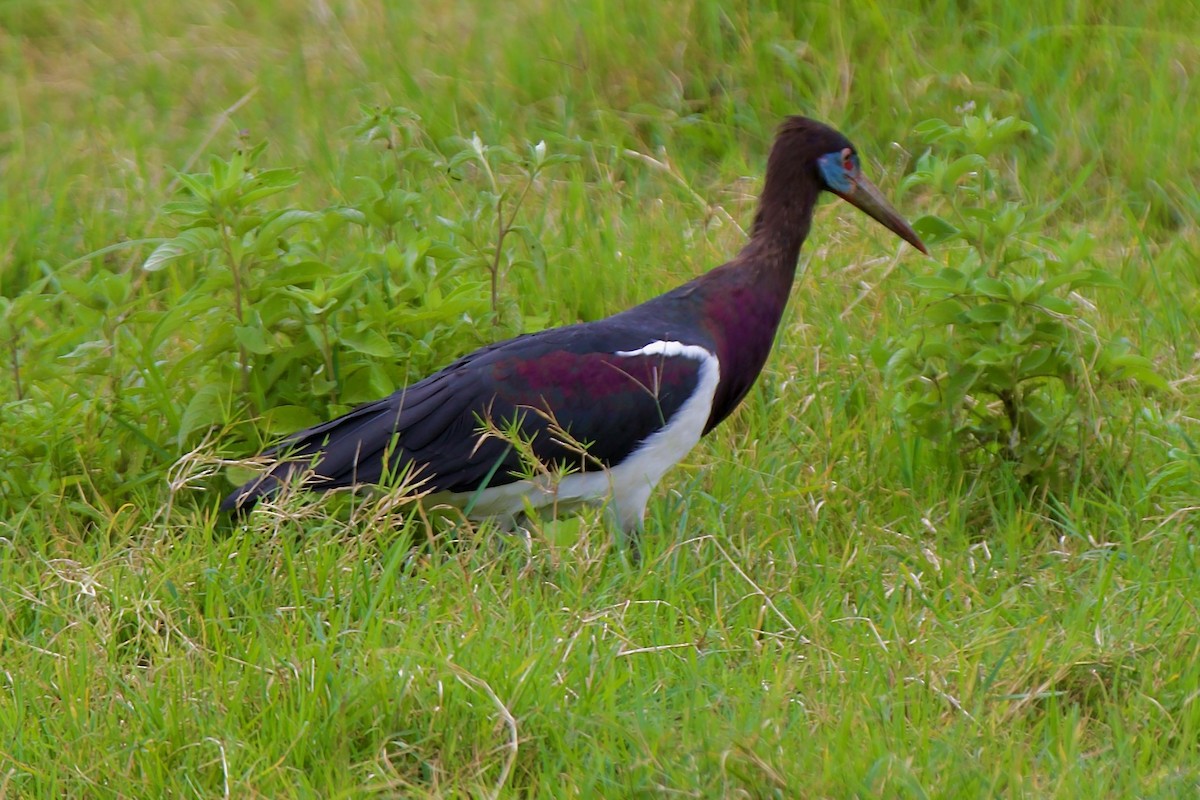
(744, 299)
(781, 224)
(783, 219)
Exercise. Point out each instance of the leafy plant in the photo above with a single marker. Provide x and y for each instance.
(319, 305)
(505, 180)
(1000, 358)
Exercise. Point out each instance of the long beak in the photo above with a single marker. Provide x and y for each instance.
(866, 196)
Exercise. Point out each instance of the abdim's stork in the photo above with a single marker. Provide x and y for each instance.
(637, 389)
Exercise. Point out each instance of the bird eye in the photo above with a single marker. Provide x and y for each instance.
(848, 160)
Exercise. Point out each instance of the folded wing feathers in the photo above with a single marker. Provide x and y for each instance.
(435, 424)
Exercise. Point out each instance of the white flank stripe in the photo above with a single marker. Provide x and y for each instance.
(628, 484)
(670, 349)
(635, 478)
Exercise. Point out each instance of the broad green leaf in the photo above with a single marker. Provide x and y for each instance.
(972, 162)
(460, 158)
(322, 386)
(1054, 282)
(368, 342)
(199, 185)
(113, 286)
(270, 182)
(984, 215)
(276, 225)
(452, 225)
(932, 129)
(934, 230)
(186, 244)
(295, 274)
(1051, 331)
(413, 255)
(897, 361)
(81, 290)
(990, 312)
(991, 287)
(933, 283)
(945, 312)
(1009, 220)
(987, 356)
(960, 383)
(1056, 305)
(348, 283)
(998, 377)
(443, 251)
(420, 155)
(288, 418)
(952, 274)
(936, 349)
(1008, 128)
(1035, 363)
(252, 338)
(365, 382)
(189, 207)
(342, 214)
(206, 407)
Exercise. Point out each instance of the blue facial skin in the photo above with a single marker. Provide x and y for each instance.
(833, 170)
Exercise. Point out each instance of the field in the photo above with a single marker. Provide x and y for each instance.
(882, 577)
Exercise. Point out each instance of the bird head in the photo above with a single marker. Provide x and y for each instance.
(804, 144)
(842, 175)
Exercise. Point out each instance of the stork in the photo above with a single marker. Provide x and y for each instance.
(637, 389)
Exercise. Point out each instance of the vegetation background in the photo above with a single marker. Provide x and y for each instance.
(837, 597)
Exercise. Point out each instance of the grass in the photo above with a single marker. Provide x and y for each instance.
(828, 605)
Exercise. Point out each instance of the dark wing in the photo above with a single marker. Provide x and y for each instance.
(571, 380)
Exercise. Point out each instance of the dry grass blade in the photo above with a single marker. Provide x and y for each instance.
(510, 722)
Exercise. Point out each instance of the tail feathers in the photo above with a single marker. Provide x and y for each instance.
(341, 452)
(244, 498)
